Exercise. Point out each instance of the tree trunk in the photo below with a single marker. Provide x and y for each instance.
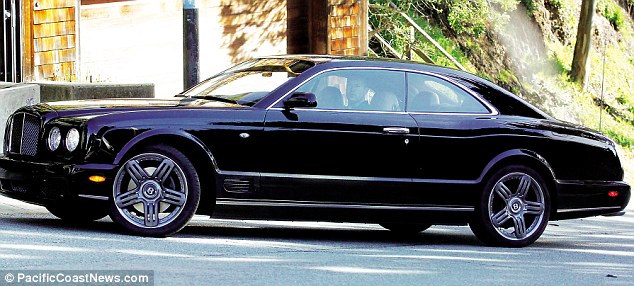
(580, 61)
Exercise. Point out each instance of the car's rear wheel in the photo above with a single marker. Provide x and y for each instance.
(78, 211)
(406, 228)
(156, 192)
(514, 208)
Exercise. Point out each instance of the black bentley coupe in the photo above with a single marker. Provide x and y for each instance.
(325, 138)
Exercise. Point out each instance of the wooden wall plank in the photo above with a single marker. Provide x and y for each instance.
(52, 4)
(54, 43)
(54, 29)
(54, 15)
(346, 21)
(54, 57)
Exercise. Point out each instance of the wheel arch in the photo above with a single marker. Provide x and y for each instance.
(191, 146)
(529, 159)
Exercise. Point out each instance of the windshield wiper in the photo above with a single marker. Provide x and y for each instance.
(216, 98)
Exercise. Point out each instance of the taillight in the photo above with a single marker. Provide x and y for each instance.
(613, 194)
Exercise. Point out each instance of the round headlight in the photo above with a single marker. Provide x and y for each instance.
(72, 139)
(54, 138)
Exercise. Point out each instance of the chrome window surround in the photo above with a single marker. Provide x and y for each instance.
(491, 108)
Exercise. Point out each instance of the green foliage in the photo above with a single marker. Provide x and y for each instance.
(530, 5)
(620, 138)
(398, 33)
(613, 12)
(468, 17)
(473, 17)
(510, 79)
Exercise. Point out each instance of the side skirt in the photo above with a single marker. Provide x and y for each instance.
(336, 212)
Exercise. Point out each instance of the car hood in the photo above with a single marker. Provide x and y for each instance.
(93, 107)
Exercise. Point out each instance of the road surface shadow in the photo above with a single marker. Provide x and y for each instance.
(316, 234)
(261, 230)
(558, 234)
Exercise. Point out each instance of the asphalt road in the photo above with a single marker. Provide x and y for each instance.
(593, 251)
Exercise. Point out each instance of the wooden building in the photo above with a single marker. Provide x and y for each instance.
(140, 41)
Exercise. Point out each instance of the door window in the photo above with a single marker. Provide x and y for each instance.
(375, 90)
(430, 94)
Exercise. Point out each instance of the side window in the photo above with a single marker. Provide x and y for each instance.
(375, 90)
(431, 94)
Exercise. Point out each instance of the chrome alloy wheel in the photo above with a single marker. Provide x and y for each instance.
(516, 206)
(150, 190)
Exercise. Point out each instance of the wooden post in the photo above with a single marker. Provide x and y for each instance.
(363, 27)
(318, 22)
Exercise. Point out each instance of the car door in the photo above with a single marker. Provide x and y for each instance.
(342, 151)
(455, 130)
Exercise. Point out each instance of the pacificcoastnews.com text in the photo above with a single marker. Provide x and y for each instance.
(109, 277)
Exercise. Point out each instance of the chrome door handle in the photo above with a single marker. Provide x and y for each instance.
(396, 130)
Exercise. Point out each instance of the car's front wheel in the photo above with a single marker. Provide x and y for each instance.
(514, 208)
(156, 192)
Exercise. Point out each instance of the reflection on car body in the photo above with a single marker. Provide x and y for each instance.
(309, 137)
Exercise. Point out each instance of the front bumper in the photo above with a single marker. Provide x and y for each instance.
(42, 183)
(578, 199)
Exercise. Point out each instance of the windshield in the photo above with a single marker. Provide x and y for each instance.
(250, 82)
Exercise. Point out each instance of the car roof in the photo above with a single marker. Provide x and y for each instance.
(365, 61)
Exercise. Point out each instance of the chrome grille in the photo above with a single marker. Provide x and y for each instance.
(24, 134)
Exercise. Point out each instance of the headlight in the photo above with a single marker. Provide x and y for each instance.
(54, 138)
(72, 139)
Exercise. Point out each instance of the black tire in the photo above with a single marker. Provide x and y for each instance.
(406, 228)
(514, 208)
(78, 211)
(156, 192)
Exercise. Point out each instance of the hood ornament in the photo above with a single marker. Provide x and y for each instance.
(30, 101)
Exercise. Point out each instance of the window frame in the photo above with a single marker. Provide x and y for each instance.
(276, 104)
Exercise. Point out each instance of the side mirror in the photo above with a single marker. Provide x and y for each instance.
(301, 99)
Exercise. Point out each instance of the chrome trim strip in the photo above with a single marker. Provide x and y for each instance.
(346, 178)
(588, 209)
(492, 109)
(22, 138)
(303, 204)
(10, 138)
(390, 112)
(101, 198)
(237, 173)
(341, 110)
(375, 179)
(332, 177)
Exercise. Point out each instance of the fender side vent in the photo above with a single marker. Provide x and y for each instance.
(239, 186)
